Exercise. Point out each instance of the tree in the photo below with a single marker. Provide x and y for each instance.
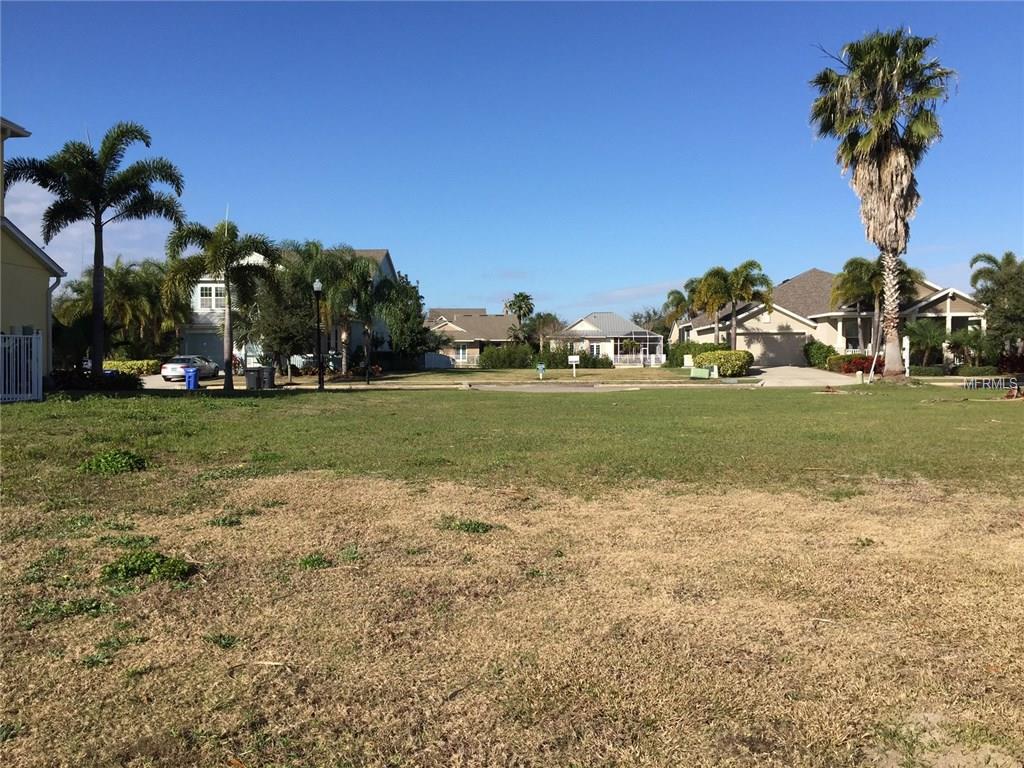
(651, 319)
(746, 283)
(971, 343)
(679, 302)
(520, 305)
(241, 260)
(711, 294)
(881, 106)
(373, 295)
(926, 336)
(999, 284)
(410, 338)
(861, 281)
(543, 324)
(90, 185)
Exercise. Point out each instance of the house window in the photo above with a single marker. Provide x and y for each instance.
(206, 297)
(461, 353)
(218, 297)
(595, 349)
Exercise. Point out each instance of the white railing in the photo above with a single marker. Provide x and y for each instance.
(21, 368)
(648, 359)
(470, 361)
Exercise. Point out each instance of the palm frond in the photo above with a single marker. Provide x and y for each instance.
(60, 214)
(116, 142)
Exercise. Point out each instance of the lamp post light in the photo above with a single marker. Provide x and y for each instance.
(318, 290)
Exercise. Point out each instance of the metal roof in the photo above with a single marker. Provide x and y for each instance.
(607, 324)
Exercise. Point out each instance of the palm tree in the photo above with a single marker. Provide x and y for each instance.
(679, 302)
(520, 305)
(543, 324)
(240, 259)
(926, 336)
(856, 284)
(372, 297)
(747, 283)
(712, 294)
(90, 185)
(999, 283)
(881, 106)
(992, 277)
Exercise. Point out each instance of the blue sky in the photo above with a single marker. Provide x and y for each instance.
(594, 155)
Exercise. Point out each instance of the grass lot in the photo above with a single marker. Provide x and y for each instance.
(698, 577)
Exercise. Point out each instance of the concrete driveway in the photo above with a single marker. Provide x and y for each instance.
(798, 376)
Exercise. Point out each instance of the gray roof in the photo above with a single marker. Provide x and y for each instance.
(805, 294)
(608, 324)
(376, 254)
(451, 313)
(477, 327)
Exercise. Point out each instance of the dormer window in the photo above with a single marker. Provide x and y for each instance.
(206, 297)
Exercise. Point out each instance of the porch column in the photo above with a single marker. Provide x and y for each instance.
(840, 339)
(947, 357)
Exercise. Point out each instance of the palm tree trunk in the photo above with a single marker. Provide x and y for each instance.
(98, 325)
(891, 316)
(860, 329)
(876, 320)
(343, 339)
(733, 326)
(367, 348)
(715, 316)
(229, 339)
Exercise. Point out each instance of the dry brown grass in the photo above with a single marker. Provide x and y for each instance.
(642, 628)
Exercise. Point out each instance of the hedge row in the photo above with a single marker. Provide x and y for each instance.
(729, 362)
(675, 358)
(853, 363)
(927, 370)
(523, 356)
(559, 358)
(134, 367)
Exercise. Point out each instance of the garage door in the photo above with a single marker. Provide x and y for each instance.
(774, 348)
(209, 345)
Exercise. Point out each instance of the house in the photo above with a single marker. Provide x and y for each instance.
(28, 278)
(605, 333)
(469, 330)
(204, 334)
(802, 311)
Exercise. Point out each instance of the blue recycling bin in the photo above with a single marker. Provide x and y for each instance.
(191, 378)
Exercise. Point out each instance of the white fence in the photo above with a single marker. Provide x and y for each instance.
(649, 359)
(21, 368)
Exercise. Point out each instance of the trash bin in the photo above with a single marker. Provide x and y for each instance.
(253, 379)
(191, 378)
(267, 376)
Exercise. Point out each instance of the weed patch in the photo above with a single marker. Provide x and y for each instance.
(315, 561)
(144, 562)
(128, 541)
(222, 641)
(47, 610)
(226, 521)
(465, 526)
(113, 462)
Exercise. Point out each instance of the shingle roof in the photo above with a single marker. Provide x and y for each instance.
(478, 327)
(607, 324)
(805, 294)
(450, 313)
(377, 254)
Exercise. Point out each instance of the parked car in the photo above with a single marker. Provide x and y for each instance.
(175, 367)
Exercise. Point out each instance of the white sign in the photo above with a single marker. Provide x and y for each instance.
(574, 359)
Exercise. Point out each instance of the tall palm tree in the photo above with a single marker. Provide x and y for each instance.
(712, 294)
(881, 106)
(372, 297)
(90, 185)
(994, 275)
(241, 260)
(679, 302)
(521, 305)
(999, 283)
(747, 283)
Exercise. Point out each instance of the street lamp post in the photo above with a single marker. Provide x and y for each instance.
(318, 290)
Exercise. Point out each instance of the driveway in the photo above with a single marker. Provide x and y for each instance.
(799, 376)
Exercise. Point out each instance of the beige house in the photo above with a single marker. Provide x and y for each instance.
(607, 334)
(802, 311)
(470, 330)
(28, 278)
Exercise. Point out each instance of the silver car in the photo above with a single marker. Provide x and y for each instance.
(175, 367)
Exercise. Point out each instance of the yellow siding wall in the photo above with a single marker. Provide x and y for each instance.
(23, 291)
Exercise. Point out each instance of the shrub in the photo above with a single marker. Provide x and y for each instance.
(507, 356)
(82, 380)
(1010, 362)
(853, 363)
(675, 358)
(145, 562)
(134, 367)
(977, 370)
(113, 463)
(729, 362)
(817, 353)
(927, 370)
(559, 358)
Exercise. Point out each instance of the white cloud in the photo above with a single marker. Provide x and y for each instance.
(73, 248)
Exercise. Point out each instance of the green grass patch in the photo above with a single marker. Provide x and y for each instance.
(464, 526)
(40, 569)
(144, 562)
(222, 641)
(226, 521)
(315, 561)
(45, 610)
(114, 462)
(128, 541)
